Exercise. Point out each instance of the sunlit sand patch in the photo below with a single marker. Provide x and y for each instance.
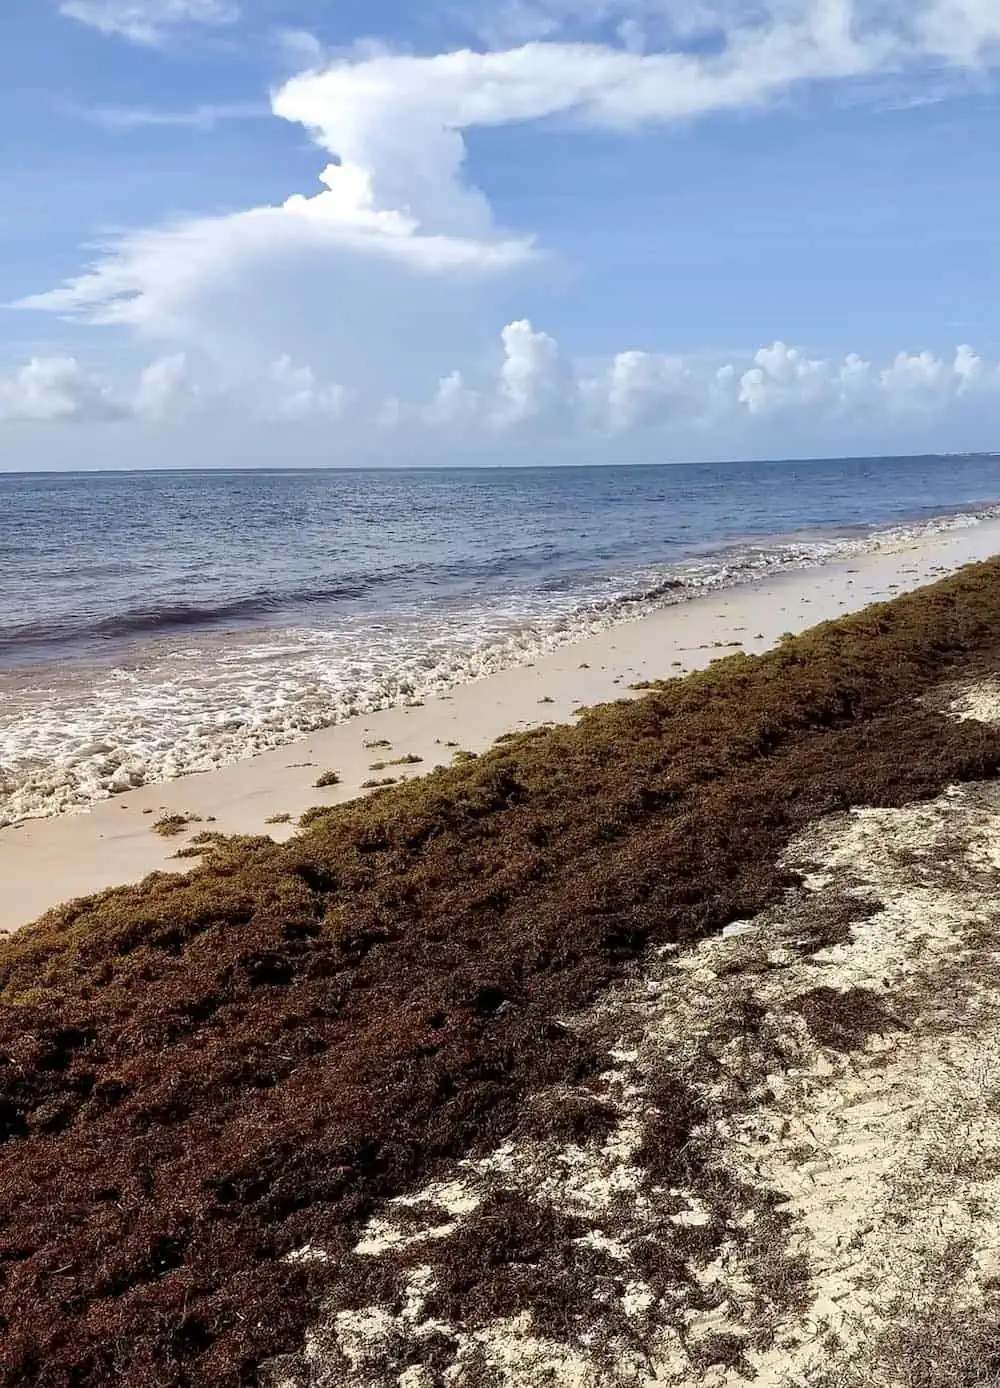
(790, 1174)
(978, 702)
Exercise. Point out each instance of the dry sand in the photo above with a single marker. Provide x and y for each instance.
(46, 862)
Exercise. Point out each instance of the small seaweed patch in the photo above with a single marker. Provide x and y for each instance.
(669, 1148)
(169, 826)
(844, 1020)
(201, 844)
(328, 778)
(570, 1118)
(279, 819)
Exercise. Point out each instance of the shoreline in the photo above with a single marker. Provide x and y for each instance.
(46, 862)
(89, 722)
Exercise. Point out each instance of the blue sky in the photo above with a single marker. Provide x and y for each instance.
(548, 230)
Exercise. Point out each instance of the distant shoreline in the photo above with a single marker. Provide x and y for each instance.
(506, 467)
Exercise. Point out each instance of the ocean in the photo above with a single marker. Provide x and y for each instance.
(154, 624)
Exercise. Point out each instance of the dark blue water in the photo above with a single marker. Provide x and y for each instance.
(91, 561)
(153, 624)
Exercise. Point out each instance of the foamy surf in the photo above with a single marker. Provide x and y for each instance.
(79, 732)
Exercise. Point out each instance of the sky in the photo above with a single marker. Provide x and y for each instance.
(293, 232)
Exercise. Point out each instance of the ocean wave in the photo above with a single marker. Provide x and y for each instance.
(75, 733)
(173, 616)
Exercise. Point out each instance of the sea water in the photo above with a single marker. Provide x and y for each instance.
(154, 624)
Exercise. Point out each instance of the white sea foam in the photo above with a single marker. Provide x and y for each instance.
(75, 733)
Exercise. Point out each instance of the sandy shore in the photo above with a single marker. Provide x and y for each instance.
(46, 862)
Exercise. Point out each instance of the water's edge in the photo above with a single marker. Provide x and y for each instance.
(74, 735)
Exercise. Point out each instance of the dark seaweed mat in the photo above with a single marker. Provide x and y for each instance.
(199, 1075)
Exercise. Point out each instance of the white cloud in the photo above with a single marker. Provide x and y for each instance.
(453, 403)
(535, 394)
(395, 126)
(536, 384)
(398, 122)
(293, 393)
(960, 30)
(783, 378)
(637, 392)
(642, 389)
(49, 389)
(915, 381)
(148, 21)
(126, 118)
(955, 29)
(156, 280)
(381, 274)
(166, 389)
(970, 369)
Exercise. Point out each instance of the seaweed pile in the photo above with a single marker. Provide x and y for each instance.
(203, 1074)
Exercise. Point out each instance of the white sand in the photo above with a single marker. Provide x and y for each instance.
(46, 862)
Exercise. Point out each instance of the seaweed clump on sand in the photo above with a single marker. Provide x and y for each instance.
(205, 1073)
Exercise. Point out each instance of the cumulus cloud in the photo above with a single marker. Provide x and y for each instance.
(294, 393)
(50, 389)
(364, 269)
(169, 390)
(148, 21)
(781, 378)
(157, 280)
(536, 394)
(398, 122)
(166, 389)
(536, 384)
(453, 404)
(641, 389)
(637, 392)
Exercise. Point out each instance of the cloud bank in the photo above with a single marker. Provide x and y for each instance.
(536, 386)
(537, 393)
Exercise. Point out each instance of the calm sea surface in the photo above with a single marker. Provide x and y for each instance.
(157, 623)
